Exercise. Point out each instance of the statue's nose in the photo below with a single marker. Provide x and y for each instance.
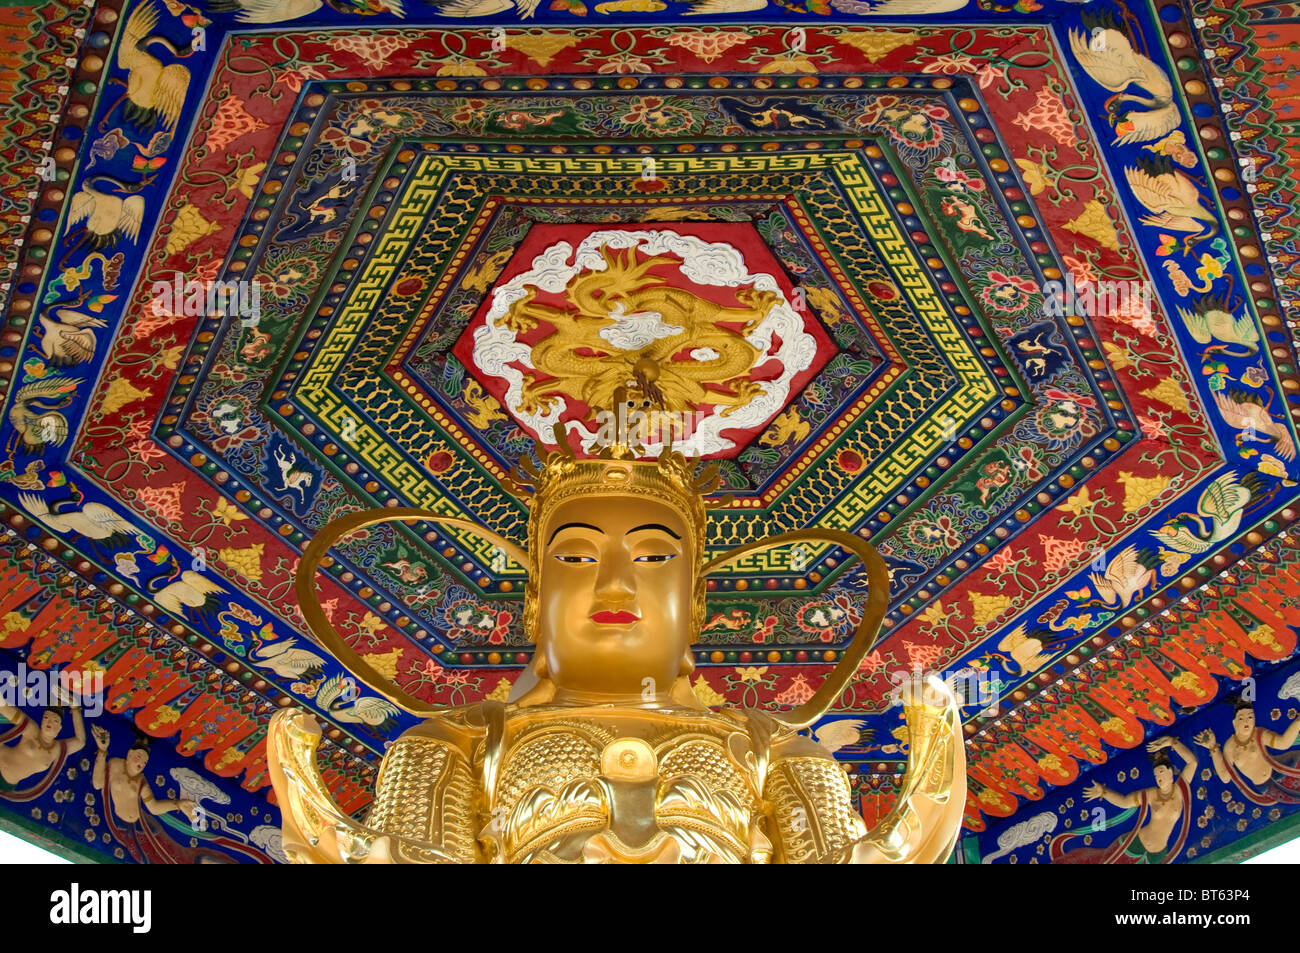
(614, 582)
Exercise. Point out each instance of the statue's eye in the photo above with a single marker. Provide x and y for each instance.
(576, 559)
(662, 558)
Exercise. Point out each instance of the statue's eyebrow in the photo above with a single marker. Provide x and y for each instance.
(659, 526)
(568, 525)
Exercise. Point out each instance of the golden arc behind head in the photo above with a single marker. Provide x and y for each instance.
(804, 715)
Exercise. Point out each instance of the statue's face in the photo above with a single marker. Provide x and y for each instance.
(51, 722)
(1164, 777)
(615, 588)
(1244, 721)
(136, 759)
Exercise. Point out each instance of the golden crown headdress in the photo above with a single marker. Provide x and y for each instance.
(619, 468)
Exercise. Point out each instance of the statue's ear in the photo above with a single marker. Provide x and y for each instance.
(681, 692)
(534, 686)
(526, 682)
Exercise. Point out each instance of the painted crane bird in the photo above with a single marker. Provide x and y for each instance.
(337, 695)
(35, 414)
(154, 92)
(1106, 53)
(107, 215)
(1246, 412)
(1217, 517)
(1173, 199)
(70, 339)
(1212, 317)
(92, 521)
(279, 11)
(183, 590)
(285, 658)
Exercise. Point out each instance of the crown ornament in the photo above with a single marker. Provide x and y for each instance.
(621, 468)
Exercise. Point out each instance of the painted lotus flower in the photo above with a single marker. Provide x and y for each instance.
(625, 63)
(917, 128)
(1008, 292)
(949, 64)
(294, 78)
(654, 114)
(932, 534)
(987, 73)
(1081, 270)
(470, 112)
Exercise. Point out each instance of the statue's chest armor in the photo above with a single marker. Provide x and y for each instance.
(621, 786)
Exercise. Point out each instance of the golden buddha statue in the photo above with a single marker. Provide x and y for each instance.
(604, 754)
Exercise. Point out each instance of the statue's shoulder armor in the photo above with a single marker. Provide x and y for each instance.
(794, 745)
(461, 728)
(427, 793)
(771, 739)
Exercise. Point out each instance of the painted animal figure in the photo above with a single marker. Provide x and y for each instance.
(284, 658)
(1107, 55)
(485, 407)
(190, 591)
(278, 11)
(94, 521)
(843, 732)
(1026, 649)
(336, 696)
(1174, 201)
(1223, 503)
(787, 427)
(324, 214)
(70, 339)
(108, 216)
(34, 414)
(1245, 412)
(291, 480)
(1127, 575)
(154, 92)
(1213, 318)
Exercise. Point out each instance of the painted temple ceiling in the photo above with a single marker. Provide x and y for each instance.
(1005, 289)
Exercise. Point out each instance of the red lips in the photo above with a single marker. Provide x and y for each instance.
(622, 617)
